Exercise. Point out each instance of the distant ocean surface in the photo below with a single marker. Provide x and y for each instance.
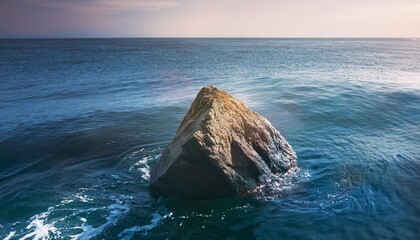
(82, 121)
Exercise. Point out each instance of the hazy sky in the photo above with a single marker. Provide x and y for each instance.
(209, 18)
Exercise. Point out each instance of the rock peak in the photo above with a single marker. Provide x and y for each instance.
(212, 93)
(221, 148)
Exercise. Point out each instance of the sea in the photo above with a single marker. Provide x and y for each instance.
(82, 121)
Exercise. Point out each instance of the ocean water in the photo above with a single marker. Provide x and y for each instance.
(82, 121)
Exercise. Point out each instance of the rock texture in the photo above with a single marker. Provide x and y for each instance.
(221, 148)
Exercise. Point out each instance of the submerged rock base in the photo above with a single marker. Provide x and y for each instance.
(221, 148)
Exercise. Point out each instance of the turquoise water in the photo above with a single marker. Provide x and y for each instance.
(82, 121)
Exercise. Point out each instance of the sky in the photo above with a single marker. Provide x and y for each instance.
(209, 18)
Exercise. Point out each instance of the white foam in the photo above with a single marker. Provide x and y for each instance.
(281, 184)
(115, 176)
(139, 159)
(83, 198)
(39, 229)
(143, 166)
(66, 201)
(129, 232)
(41, 226)
(11, 234)
(117, 210)
(145, 173)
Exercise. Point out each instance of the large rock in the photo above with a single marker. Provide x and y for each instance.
(221, 148)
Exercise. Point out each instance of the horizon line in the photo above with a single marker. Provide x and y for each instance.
(231, 37)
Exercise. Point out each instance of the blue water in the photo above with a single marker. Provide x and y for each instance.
(82, 121)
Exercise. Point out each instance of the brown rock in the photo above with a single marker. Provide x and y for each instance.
(221, 148)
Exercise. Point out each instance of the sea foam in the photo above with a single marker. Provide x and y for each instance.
(129, 232)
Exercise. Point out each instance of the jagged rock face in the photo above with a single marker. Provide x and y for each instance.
(221, 148)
